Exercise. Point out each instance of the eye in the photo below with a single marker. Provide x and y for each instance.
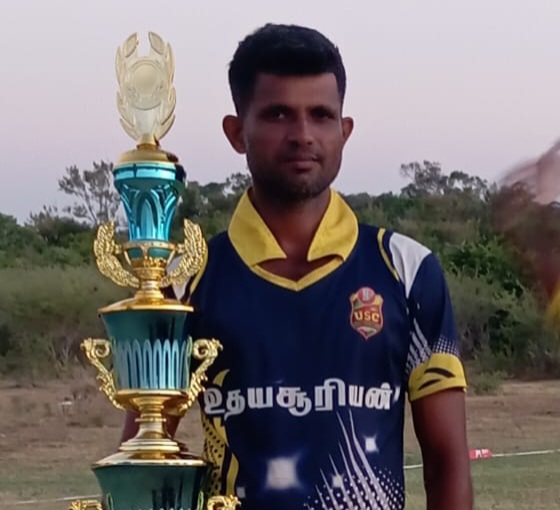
(323, 113)
(276, 112)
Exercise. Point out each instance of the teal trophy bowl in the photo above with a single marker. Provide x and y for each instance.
(152, 485)
(150, 349)
(149, 193)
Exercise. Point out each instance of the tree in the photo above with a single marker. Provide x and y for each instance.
(53, 228)
(97, 199)
(428, 179)
(211, 205)
(237, 183)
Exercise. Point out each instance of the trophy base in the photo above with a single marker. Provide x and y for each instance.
(129, 482)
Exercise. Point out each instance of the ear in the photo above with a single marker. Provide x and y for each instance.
(347, 127)
(233, 129)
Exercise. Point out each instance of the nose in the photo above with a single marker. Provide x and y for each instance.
(301, 133)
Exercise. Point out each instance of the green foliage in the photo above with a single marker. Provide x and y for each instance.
(489, 260)
(501, 331)
(210, 205)
(51, 288)
(45, 313)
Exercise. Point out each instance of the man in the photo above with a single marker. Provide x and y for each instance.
(326, 324)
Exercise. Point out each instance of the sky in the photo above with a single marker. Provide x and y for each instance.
(472, 85)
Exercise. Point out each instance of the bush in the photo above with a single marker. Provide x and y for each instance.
(45, 315)
(484, 383)
(501, 332)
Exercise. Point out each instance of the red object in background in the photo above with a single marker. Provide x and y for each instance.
(480, 453)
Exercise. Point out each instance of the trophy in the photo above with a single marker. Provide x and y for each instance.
(145, 365)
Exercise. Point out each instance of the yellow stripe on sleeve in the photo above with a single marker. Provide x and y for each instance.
(441, 372)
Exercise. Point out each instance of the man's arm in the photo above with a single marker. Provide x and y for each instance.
(436, 384)
(439, 422)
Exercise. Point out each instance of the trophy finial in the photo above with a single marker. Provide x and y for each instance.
(146, 97)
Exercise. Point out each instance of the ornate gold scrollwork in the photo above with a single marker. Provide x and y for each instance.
(223, 503)
(86, 504)
(192, 251)
(95, 350)
(207, 352)
(106, 250)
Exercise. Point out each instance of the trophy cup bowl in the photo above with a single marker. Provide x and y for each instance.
(151, 353)
(146, 364)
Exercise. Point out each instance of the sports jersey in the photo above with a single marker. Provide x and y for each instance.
(304, 406)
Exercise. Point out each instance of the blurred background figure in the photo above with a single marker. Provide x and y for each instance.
(526, 211)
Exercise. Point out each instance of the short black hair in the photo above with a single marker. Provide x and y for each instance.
(282, 50)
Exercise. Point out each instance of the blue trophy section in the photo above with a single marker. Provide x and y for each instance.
(149, 193)
(151, 348)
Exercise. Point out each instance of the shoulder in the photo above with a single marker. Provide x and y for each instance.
(408, 258)
(218, 242)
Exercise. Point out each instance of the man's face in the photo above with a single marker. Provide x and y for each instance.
(293, 133)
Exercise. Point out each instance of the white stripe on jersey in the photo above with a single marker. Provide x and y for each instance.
(424, 345)
(178, 289)
(407, 255)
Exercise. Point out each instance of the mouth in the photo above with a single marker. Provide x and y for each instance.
(301, 165)
(301, 158)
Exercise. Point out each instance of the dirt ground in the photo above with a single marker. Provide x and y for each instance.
(50, 434)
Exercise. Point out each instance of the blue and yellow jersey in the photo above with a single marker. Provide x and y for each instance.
(304, 407)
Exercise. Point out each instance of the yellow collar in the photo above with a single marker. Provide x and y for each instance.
(254, 242)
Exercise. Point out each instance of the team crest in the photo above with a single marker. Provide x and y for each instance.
(367, 312)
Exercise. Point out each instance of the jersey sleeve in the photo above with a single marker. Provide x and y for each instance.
(433, 362)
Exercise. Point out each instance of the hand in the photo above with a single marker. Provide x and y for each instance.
(541, 176)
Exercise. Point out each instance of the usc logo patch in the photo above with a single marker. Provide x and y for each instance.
(366, 316)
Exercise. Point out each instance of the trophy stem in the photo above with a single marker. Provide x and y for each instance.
(149, 290)
(152, 440)
(148, 141)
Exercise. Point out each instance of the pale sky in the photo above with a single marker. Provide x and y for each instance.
(474, 85)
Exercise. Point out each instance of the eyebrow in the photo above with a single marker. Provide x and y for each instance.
(286, 107)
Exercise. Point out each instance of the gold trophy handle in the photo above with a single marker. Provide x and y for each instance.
(86, 504)
(96, 349)
(207, 351)
(222, 503)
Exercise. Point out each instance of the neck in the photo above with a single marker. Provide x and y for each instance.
(293, 225)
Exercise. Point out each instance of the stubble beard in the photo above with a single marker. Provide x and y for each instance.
(279, 188)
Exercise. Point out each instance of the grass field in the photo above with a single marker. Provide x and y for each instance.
(46, 449)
